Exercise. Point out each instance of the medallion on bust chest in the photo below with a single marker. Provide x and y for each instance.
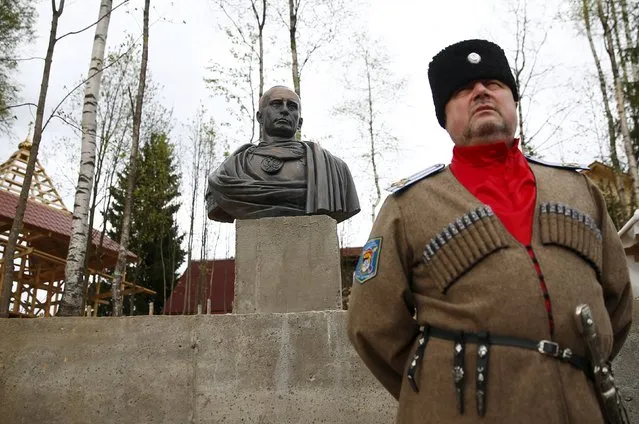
(271, 165)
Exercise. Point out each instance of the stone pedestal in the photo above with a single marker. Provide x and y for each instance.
(287, 264)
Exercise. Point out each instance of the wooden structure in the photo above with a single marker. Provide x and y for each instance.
(207, 286)
(603, 175)
(40, 256)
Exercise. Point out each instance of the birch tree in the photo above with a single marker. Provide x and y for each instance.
(203, 157)
(530, 34)
(73, 296)
(244, 26)
(629, 55)
(114, 117)
(372, 86)
(18, 220)
(603, 16)
(118, 274)
(321, 22)
(525, 66)
(603, 89)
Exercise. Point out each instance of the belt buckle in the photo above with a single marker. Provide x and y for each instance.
(547, 347)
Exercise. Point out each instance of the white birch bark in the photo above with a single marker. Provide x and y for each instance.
(621, 101)
(73, 296)
(612, 137)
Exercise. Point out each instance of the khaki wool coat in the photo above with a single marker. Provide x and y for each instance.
(485, 280)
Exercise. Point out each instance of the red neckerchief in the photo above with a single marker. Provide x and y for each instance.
(500, 177)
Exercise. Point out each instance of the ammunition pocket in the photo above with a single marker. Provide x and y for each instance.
(567, 227)
(462, 244)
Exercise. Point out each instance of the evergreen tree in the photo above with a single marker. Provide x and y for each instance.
(17, 18)
(155, 236)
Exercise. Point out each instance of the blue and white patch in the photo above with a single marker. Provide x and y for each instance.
(368, 261)
(400, 185)
(571, 166)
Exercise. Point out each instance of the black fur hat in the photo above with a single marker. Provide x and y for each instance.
(464, 62)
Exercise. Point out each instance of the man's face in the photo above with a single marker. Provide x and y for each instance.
(481, 112)
(280, 114)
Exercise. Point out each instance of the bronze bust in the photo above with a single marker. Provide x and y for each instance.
(281, 176)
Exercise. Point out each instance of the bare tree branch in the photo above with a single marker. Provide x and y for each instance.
(16, 106)
(18, 59)
(92, 25)
(55, 109)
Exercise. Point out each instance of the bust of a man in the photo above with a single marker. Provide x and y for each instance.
(281, 176)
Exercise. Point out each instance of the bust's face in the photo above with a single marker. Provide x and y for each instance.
(280, 115)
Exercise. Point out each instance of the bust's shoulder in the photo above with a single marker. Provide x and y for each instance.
(318, 148)
(231, 158)
(242, 148)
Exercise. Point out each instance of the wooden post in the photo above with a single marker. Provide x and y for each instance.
(47, 304)
(199, 309)
(208, 306)
(96, 305)
(150, 308)
(18, 295)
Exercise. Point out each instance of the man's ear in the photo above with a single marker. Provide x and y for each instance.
(259, 117)
(299, 123)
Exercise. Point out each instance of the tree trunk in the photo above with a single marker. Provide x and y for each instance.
(520, 65)
(73, 296)
(628, 36)
(197, 148)
(612, 136)
(120, 267)
(163, 276)
(293, 6)
(620, 99)
(371, 133)
(260, 37)
(18, 219)
(102, 151)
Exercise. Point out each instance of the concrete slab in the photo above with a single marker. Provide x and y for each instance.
(258, 368)
(255, 368)
(287, 264)
(286, 368)
(95, 370)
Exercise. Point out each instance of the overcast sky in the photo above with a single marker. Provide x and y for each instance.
(185, 38)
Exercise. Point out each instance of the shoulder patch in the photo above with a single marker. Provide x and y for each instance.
(570, 166)
(368, 261)
(406, 182)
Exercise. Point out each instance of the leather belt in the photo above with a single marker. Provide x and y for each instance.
(484, 340)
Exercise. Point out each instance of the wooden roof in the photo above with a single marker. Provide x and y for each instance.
(12, 174)
(46, 218)
(45, 209)
(39, 262)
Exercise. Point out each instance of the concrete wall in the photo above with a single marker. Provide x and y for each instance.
(258, 368)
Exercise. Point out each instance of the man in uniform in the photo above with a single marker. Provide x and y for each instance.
(281, 176)
(464, 309)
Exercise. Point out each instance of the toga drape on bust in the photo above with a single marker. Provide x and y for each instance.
(236, 191)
